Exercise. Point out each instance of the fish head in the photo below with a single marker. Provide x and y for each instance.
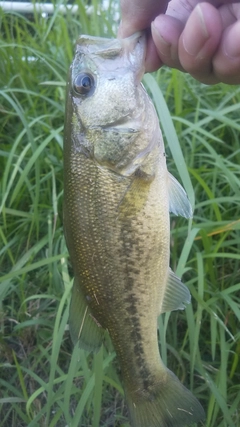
(104, 74)
(110, 117)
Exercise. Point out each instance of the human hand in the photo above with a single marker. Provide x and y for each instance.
(201, 38)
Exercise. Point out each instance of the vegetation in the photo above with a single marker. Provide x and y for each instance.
(43, 380)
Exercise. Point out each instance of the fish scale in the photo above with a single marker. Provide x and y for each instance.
(117, 197)
(124, 238)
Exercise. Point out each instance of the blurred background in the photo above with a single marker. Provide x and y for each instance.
(44, 381)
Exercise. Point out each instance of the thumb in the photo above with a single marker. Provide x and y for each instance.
(137, 15)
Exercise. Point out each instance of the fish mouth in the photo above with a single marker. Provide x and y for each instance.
(132, 47)
(135, 47)
(103, 46)
(134, 38)
(137, 38)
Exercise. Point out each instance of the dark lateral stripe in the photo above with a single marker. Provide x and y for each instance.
(131, 303)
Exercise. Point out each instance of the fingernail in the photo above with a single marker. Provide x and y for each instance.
(231, 44)
(197, 33)
(162, 45)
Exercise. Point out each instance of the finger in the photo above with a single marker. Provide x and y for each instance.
(199, 42)
(226, 62)
(229, 14)
(152, 60)
(166, 31)
(137, 15)
(181, 9)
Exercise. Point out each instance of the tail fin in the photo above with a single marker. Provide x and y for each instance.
(169, 405)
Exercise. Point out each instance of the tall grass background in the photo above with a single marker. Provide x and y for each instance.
(43, 380)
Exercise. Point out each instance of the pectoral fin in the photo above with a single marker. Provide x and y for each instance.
(179, 203)
(135, 196)
(176, 295)
(83, 327)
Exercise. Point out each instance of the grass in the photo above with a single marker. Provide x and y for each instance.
(43, 380)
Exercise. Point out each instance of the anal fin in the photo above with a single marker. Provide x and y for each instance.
(84, 329)
(176, 295)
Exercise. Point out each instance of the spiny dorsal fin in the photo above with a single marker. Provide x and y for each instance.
(179, 203)
(176, 295)
(83, 327)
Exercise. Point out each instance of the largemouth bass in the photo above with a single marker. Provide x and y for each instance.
(117, 197)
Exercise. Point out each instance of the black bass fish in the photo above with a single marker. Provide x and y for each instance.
(117, 197)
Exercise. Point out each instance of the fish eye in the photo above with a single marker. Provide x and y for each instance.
(83, 83)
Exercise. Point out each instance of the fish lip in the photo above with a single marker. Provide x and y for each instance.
(134, 42)
(136, 48)
(99, 41)
(135, 37)
(110, 47)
